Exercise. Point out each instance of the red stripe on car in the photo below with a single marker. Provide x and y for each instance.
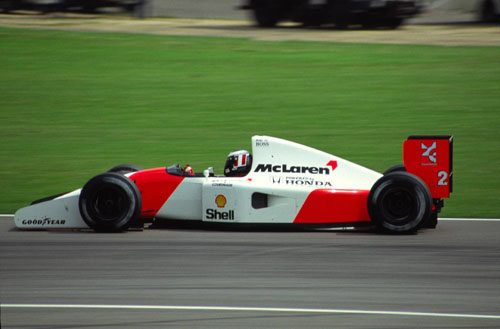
(334, 206)
(156, 186)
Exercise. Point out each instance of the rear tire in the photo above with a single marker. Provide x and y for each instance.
(267, 13)
(341, 14)
(399, 202)
(488, 12)
(110, 202)
(125, 169)
(399, 167)
(394, 23)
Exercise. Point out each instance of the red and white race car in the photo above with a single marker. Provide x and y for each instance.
(281, 182)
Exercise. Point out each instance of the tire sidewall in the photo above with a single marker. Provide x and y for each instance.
(125, 190)
(125, 169)
(390, 193)
(267, 13)
(398, 167)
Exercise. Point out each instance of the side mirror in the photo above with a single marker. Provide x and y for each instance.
(208, 172)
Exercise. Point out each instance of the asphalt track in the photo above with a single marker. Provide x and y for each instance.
(190, 278)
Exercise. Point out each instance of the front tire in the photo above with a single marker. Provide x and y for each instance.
(110, 202)
(399, 202)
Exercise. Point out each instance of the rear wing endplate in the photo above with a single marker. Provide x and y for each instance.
(431, 159)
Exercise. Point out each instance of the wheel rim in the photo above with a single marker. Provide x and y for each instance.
(110, 203)
(399, 204)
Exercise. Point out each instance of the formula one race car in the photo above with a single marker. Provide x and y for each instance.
(282, 183)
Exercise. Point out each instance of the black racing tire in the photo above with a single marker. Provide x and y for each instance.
(399, 202)
(110, 202)
(90, 6)
(125, 169)
(267, 13)
(7, 6)
(342, 23)
(398, 167)
(488, 12)
(394, 23)
(432, 222)
(342, 14)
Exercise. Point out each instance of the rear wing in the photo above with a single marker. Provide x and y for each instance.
(431, 159)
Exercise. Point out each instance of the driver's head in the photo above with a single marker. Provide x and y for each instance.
(238, 163)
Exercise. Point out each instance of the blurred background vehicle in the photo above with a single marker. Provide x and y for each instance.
(388, 13)
(341, 13)
(88, 6)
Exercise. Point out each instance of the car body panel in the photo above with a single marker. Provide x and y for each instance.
(62, 212)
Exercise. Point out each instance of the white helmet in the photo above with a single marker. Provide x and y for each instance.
(238, 163)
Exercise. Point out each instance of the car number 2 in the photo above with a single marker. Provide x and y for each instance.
(443, 176)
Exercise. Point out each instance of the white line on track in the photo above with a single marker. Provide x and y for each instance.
(471, 219)
(250, 309)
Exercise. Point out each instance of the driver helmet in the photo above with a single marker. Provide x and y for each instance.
(238, 163)
(188, 171)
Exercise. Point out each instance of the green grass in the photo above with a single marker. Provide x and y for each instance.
(74, 104)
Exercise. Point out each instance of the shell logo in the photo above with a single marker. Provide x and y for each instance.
(220, 201)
